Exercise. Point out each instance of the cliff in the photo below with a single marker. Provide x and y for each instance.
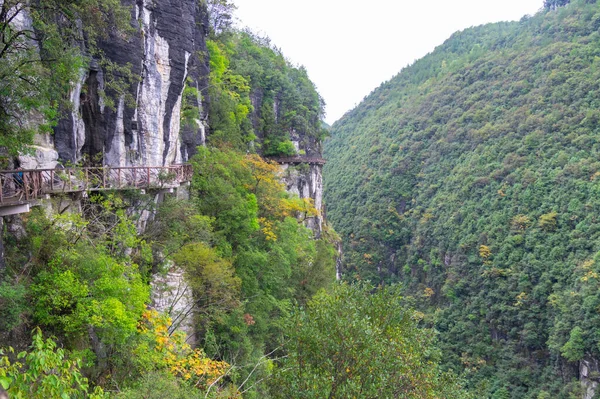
(165, 54)
(152, 96)
(163, 72)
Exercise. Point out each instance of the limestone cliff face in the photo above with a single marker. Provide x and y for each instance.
(166, 53)
(306, 181)
(302, 179)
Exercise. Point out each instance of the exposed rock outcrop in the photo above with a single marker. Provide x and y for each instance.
(306, 181)
(589, 375)
(166, 53)
(172, 295)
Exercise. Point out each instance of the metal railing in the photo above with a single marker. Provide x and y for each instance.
(29, 184)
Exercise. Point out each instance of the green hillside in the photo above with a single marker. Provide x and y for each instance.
(473, 177)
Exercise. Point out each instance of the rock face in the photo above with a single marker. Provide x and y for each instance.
(306, 181)
(172, 295)
(589, 375)
(166, 53)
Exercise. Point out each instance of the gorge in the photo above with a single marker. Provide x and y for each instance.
(170, 190)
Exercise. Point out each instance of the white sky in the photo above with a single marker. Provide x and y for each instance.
(350, 47)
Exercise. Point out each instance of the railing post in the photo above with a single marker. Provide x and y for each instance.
(104, 169)
(2, 182)
(40, 182)
(134, 177)
(118, 178)
(148, 179)
(26, 184)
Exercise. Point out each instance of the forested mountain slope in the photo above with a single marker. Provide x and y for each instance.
(473, 177)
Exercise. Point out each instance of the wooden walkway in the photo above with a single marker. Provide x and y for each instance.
(299, 159)
(19, 186)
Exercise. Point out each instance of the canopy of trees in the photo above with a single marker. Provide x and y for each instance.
(361, 342)
(472, 177)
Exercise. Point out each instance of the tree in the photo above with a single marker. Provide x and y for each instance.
(360, 341)
(46, 371)
(216, 288)
(220, 15)
(573, 350)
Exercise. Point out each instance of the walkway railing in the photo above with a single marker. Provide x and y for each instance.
(29, 184)
(299, 159)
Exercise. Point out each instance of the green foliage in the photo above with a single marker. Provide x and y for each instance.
(473, 177)
(220, 14)
(82, 283)
(573, 350)
(159, 385)
(12, 305)
(176, 224)
(360, 341)
(85, 288)
(45, 371)
(219, 188)
(286, 148)
(230, 102)
(216, 288)
(548, 221)
(189, 111)
(275, 258)
(255, 92)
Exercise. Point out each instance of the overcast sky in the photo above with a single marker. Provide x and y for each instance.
(350, 47)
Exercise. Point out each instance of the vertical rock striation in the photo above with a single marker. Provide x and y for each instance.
(306, 181)
(165, 53)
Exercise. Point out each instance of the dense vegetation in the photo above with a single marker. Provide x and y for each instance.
(361, 342)
(257, 94)
(472, 177)
(75, 289)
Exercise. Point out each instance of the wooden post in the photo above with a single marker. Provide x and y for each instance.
(40, 182)
(119, 178)
(26, 184)
(2, 261)
(148, 178)
(134, 177)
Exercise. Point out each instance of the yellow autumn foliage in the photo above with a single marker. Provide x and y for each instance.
(170, 352)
